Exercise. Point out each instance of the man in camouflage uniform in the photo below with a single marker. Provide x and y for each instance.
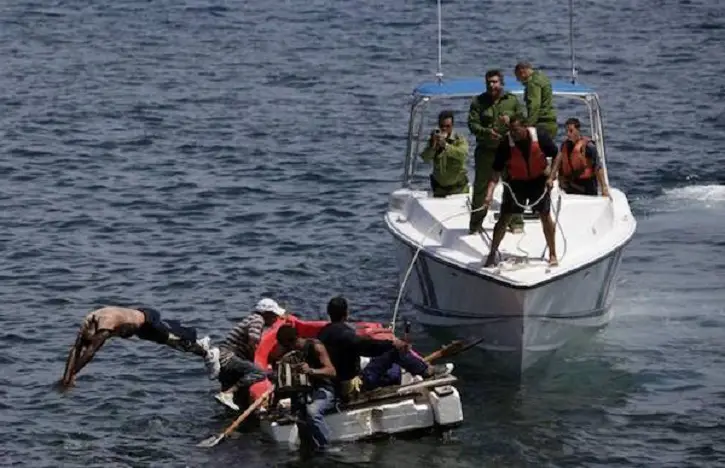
(488, 119)
(448, 151)
(538, 97)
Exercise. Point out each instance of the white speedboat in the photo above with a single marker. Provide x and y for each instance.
(522, 308)
(416, 405)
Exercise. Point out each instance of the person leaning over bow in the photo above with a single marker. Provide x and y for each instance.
(448, 150)
(523, 154)
(488, 117)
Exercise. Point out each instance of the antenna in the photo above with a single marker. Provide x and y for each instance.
(439, 74)
(571, 41)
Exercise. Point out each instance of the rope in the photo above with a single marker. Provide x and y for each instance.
(556, 221)
(440, 223)
(415, 258)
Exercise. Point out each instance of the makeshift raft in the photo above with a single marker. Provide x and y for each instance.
(425, 404)
(415, 405)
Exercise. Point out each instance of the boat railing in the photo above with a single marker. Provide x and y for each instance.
(421, 103)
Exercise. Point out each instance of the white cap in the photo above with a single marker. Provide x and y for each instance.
(269, 305)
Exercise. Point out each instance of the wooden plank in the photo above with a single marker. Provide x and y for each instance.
(396, 391)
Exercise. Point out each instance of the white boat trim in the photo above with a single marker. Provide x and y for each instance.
(488, 274)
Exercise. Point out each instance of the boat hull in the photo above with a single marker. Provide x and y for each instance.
(519, 326)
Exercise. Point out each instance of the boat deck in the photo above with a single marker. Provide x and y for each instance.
(588, 228)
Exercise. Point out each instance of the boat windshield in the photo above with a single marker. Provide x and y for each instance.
(431, 98)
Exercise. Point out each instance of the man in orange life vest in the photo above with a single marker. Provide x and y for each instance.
(523, 153)
(577, 164)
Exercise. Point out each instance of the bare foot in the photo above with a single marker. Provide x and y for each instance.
(553, 261)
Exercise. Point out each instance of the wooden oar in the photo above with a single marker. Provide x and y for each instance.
(213, 440)
(452, 349)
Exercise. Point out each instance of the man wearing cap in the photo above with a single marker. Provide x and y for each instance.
(236, 353)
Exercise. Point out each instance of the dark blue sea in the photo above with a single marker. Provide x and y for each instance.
(196, 155)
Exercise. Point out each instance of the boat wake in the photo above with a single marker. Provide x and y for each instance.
(713, 193)
(690, 197)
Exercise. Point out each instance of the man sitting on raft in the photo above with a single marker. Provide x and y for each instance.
(143, 322)
(345, 347)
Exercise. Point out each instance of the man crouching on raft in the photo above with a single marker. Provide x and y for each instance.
(144, 322)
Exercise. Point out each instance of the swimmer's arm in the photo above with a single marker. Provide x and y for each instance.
(96, 343)
(73, 354)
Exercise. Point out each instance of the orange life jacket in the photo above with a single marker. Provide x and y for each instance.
(576, 165)
(521, 168)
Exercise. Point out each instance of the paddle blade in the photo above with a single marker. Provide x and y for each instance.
(453, 348)
(443, 351)
(211, 441)
(467, 346)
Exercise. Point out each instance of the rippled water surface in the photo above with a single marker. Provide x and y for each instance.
(196, 155)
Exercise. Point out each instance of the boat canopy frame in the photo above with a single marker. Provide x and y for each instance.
(468, 88)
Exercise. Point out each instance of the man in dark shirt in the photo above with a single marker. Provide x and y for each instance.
(523, 153)
(345, 347)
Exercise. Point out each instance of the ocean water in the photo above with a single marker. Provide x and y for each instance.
(197, 155)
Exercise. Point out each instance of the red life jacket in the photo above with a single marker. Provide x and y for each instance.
(575, 165)
(521, 168)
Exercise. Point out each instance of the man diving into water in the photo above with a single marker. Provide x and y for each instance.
(143, 322)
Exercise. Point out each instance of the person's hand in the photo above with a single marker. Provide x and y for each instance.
(441, 140)
(488, 200)
(495, 135)
(550, 183)
(305, 368)
(505, 119)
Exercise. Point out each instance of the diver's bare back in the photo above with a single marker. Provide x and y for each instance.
(112, 318)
